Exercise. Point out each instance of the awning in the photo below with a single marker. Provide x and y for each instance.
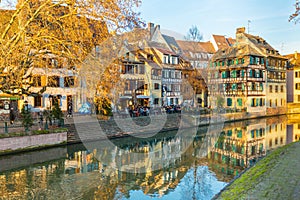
(142, 97)
(8, 97)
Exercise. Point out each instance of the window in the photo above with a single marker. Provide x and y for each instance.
(166, 74)
(261, 102)
(297, 86)
(174, 60)
(234, 87)
(270, 102)
(36, 81)
(298, 98)
(296, 74)
(253, 102)
(69, 81)
(166, 59)
(276, 88)
(276, 103)
(149, 57)
(252, 133)
(38, 101)
(270, 88)
(141, 69)
(176, 88)
(172, 74)
(251, 60)
(233, 74)
(53, 81)
(251, 73)
(156, 86)
(281, 89)
(229, 102)
(156, 101)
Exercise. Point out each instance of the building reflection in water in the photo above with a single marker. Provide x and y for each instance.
(83, 175)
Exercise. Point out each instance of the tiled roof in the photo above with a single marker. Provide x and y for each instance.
(171, 42)
(203, 47)
(165, 51)
(236, 51)
(230, 41)
(220, 41)
(259, 42)
(294, 59)
(153, 64)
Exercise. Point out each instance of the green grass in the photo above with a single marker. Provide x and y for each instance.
(249, 180)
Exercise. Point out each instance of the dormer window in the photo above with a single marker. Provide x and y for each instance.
(150, 57)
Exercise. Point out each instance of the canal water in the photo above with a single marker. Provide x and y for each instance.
(167, 166)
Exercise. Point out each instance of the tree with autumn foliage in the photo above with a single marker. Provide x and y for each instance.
(37, 33)
(194, 74)
(295, 16)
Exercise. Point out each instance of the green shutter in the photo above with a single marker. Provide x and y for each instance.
(234, 87)
(252, 134)
(251, 73)
(240, 102)
(251, 60)
(233, 74)
(223, 74)
(239, 133)
(243, 73)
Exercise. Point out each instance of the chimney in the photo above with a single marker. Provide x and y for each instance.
(240, 30)
(150, 28)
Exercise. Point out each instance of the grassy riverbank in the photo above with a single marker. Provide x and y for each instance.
(277, 176)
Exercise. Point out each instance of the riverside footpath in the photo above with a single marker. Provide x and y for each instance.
(277, 176)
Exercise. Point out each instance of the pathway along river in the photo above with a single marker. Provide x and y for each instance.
(72, 172)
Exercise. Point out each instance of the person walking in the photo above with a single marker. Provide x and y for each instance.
(11, 115)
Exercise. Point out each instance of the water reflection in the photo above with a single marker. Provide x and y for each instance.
(191, 175)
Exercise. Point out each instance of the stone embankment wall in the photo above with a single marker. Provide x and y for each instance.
(14, 143)
(86, 129)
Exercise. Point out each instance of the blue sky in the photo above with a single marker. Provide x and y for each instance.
(269, 19)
